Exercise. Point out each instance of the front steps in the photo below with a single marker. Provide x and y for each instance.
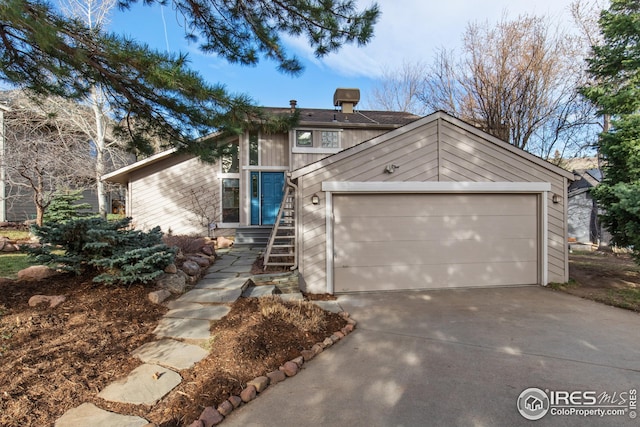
(253, 236)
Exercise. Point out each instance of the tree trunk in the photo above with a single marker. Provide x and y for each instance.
(100, 150)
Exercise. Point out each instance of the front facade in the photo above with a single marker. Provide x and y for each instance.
(184, 195)
(383, 201)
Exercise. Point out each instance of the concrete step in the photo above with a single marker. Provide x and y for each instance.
(260, 291)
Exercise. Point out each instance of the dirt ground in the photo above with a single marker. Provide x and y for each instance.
(609, 278)
(54, 359)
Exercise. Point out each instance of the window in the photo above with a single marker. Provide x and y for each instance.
(330, 139)
(304, 138)
(253, 149)
(230, 200)
(230, 162)
(322, 141)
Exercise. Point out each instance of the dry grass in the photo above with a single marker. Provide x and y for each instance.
(305, 315)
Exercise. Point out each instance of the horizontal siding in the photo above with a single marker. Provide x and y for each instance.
(437, 151)
(162, 195)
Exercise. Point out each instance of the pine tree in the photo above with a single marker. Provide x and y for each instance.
(64, 207)
(156, 95)
(615, 68)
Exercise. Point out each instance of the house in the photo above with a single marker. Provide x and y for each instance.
(582, 213)
(374, 201)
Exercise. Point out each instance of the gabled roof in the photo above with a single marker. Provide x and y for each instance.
(121, 176)
(421, 122)
(587, 179)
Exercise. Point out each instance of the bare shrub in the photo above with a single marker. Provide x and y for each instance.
(304, 315)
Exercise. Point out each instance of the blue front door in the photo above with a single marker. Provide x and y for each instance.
(272, 187)
(266, 195)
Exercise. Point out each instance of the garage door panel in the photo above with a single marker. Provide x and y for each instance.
(422, 241)
(433, 276)
(433, 205)
(401, 229)
(350, 254)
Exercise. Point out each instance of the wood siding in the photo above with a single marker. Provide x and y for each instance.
(431, 150)
(348, 138)
(163, 194)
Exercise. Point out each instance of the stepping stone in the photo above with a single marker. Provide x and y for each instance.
(232, 283)
(172, 353)
(331, 306)
(259, 291)
(145, 385)
(236, 269)
(210, 296)
(220, 276)
(245, 261)
(194, 329)
(89, 414)
(199, 311)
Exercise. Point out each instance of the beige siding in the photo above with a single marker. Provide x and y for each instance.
(274, 150)
(437, 150)
(348, 138)
(429, 241)
(164, 194)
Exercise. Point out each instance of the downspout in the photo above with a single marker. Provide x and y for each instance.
(295, 213)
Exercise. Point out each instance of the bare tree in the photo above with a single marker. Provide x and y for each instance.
(41, 153)
(517, 80)
(203, 204)
(95, 14)
(399, 89)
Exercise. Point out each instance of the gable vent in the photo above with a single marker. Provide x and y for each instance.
(346, 99)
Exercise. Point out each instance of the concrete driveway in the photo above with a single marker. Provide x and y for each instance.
(458, 358)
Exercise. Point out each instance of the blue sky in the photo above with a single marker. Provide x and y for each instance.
(408, 30)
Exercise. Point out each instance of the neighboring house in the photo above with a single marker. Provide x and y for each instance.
(583, 211)
(375, 201)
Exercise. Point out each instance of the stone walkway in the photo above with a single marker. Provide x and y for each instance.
(182, 335)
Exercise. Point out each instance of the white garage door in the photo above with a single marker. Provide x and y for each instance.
(426, 241)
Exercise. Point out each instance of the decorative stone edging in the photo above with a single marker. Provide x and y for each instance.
(211, 416)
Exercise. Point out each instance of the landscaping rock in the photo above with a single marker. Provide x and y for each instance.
(174, 283)
(328, 342)
(225, 408)
(235, 401)
(36, 272)
(276, 376)
(52, 300)
(200, 260)
(307, 355)
(317, 348)
(290, 368)
(191, 268)
(298, 361)
(339, 334)
(171, 269)
(197, 423)
(208, 250)
(248, 394)
(260, 383)
(223, 243)
(210, 417)
(158, 297)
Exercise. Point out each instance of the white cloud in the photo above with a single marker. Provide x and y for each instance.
(412, 30)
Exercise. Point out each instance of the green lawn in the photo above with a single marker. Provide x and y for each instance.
(11, 263)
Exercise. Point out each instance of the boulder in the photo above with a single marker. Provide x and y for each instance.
(36, 272)
(223, 242)
(174, 283)
(52, 300)
(191, 268)
(159, 296)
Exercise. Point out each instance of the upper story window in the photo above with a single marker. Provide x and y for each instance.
(229, 160)
(254, 156)
(304, 138)
(317, 141)
(330, 139)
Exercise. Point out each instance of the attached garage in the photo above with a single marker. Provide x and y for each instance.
(435, 204)
(434, 240)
